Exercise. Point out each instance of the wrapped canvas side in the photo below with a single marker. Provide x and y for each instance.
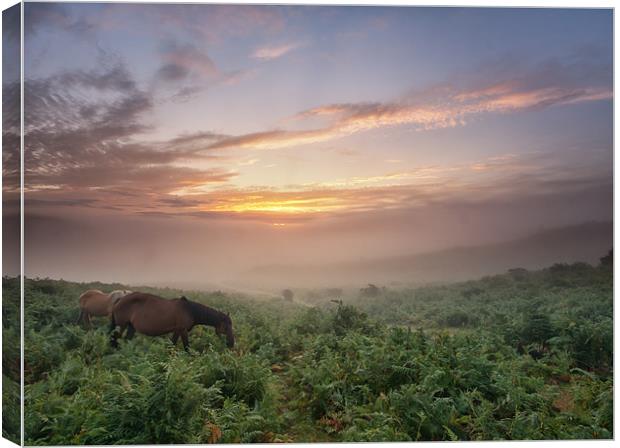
(11, 224)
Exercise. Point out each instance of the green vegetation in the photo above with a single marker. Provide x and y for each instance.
(525, 355)
(11, 360)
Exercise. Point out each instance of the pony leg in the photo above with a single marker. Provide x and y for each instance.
(89, 325)
(130, 332)
(80, 317)
(115, 334)
(185, 340)
(175, 338)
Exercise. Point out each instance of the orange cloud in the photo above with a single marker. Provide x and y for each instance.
(272, 139)
(355, 194)
(451, 110)
(209, 195)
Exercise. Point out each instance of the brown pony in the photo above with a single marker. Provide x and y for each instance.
(154, 316)
(97, 303)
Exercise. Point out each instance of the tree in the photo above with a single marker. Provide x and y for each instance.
(333, 292)
(518, 274)
(537, 329)
(608, 260)
(370, 291)
(471, 292)
(288, 295)
(347, 318)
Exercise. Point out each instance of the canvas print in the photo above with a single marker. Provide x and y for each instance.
(11, 226)
(290, 223)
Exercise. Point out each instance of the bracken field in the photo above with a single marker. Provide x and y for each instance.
(524, 355)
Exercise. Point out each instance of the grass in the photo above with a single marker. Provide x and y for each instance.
(524, 355)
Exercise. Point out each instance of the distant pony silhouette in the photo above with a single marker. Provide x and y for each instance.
(97, 303)
(154, 316)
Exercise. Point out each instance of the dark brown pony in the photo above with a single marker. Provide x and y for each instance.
(153, 316)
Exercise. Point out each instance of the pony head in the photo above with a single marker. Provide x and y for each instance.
(225, 327)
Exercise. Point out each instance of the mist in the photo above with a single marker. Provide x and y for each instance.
(339, 250)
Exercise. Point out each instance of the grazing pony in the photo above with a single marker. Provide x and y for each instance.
(154, 316)
(96, 303)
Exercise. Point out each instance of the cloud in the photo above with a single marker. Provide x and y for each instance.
(268, 205)
(441, 106)
(507, 160)
(186, 93)
(196, 138)
(83, 141)
(77, 202)
(151, 179)
(56, 16)
(70, 117)
(82, 148)
(98, 102)
(273, 139)
(501, 178)
(207, 23)
(269, 53)
(172, 72)
(248, 162)
(11, 49)
(181, 61)
(191, 70)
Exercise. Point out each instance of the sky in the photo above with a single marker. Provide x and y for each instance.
(196, 142)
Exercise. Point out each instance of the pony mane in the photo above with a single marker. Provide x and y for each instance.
(91, 291)
(118, 294)
(205, 313)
